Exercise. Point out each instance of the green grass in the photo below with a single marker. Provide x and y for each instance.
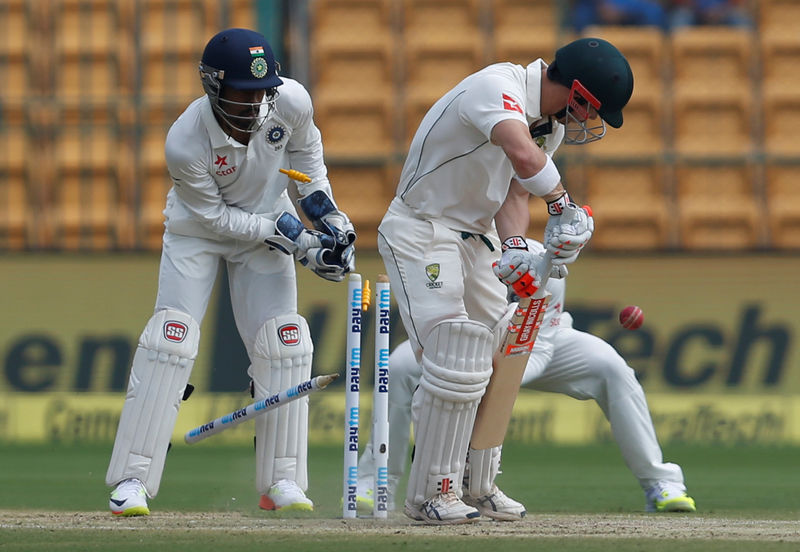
(727, 482)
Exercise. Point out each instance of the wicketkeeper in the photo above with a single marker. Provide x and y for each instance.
(229, 203)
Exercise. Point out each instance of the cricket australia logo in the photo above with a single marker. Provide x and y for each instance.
(432, 272)
(175, 331)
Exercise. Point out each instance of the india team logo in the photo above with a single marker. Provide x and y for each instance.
(175, 331)
(289, 334)
(258, 67)
(276, 134)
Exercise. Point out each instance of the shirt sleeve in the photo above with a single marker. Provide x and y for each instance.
(305, 144)
(201, 197)
(489, 100)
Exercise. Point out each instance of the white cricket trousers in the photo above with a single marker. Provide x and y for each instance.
(262, 283)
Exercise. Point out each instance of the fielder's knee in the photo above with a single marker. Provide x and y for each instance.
(159, 376)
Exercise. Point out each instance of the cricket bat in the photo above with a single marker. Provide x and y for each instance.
(494, 410)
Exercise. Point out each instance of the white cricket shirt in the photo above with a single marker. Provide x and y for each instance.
(453, 173)
(224, 189)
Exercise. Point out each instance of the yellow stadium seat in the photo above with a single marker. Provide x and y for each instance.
(355, 67)
(524, 46)
(86, 28)
(432, 69)
(713, 58)
(14, 30)
(356, 126)
(364, 193)
(150, 216)
(717, 207)
(778, 15)
(15, 147)
(351, 20)
(630, 205)
(525, 15)
(783, 204)
(643, 47)
(178, 27)
(241, 13)
(173, 78)
(14, 211)
(152, 160)
(718, 122)
(87, 214)
(780, 58)
(442, 19)
(84, 149)
(781, 120)
(643, 130)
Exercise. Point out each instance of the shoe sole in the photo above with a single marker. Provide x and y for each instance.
(266, 503)
(678, 505)
(416, 516)
(132, 512)
(493, 514)
(502, 516)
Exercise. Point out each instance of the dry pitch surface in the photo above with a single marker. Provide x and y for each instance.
(537, 525)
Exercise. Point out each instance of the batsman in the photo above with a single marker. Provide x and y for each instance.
(461, 206)
(229, 203)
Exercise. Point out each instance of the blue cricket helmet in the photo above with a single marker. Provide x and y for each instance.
(241, 59)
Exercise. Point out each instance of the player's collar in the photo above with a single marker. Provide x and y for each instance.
(533, 90)
(219, 138)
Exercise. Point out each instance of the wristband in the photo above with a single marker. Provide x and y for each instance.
(514, 242)
(544, 181)
(557, 206)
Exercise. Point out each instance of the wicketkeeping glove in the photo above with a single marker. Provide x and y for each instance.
(327, 219)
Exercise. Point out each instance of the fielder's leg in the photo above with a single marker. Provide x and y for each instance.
(456, 366)
(586, 367)
(159, 374)
(404, 374)
(282, 358)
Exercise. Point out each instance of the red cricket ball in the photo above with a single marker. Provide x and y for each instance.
(631, 317)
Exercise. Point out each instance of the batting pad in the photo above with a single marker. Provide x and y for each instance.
(456, 366)
(161, 367)
(282, 358)
(482, 468)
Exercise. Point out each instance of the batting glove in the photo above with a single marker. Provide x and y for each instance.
(516, 267)
(568, 232)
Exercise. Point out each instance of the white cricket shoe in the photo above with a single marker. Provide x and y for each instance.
(496, 505)
(443, 509)
(129, 498)
(667, 496)
(285, 495)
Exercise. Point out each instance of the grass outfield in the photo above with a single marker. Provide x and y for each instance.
(578, 498)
